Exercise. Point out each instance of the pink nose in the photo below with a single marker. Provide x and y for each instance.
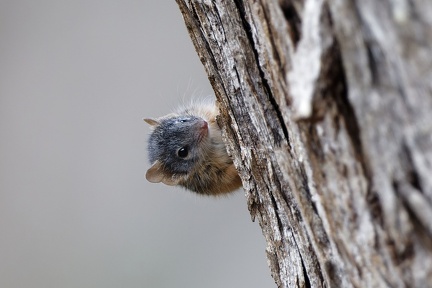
(204, 125)
(202, 129)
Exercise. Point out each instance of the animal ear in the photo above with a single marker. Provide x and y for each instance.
(152, 122)
(170, 180)
(156, 174)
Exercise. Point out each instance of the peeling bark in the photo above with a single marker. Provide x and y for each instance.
(325, 107)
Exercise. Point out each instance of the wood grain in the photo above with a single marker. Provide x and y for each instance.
(325, 108)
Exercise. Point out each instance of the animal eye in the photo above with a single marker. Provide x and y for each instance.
(183, 152)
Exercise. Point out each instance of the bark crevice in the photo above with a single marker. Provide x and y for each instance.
(325, 108)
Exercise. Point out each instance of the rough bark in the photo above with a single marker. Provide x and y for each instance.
(325, 107)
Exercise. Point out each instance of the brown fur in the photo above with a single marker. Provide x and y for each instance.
(215, 174)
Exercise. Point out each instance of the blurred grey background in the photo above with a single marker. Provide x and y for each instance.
(76, 78)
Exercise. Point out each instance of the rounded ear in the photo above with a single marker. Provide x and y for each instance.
(156, 174)
(152, 122)
(170, 180)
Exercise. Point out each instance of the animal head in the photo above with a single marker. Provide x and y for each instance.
(175, 147)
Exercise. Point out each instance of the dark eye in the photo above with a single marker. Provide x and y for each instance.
(183, 152)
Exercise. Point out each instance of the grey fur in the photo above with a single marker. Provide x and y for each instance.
(206, 169)
(171, 135)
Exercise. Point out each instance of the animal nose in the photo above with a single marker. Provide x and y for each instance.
(202, 129)
(204, 125)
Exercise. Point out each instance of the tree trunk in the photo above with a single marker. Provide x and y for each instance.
(326, 110)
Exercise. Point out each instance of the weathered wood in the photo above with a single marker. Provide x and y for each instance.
(325, 106)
